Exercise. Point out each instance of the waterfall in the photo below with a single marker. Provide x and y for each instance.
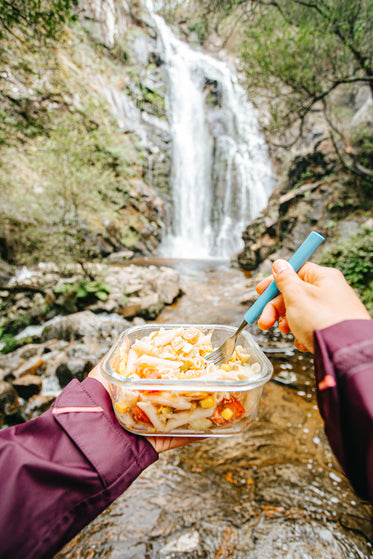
(221, 173)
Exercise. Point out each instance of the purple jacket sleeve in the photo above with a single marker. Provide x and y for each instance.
(344, 380)
(59, 471)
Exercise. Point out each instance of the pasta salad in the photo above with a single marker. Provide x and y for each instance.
(177, 354)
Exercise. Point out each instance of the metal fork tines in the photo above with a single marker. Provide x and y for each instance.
(224, 352)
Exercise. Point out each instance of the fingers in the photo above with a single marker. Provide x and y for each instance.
(262, 285)
(309, 272)
(300, 346)
(312, 273)
(162, 444)
(283, 325)
(271, 313)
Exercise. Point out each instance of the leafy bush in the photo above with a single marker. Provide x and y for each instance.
(43, 17)
(354, 258)
(9, 343)
(85, 290)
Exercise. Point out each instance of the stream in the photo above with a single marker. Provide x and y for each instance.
(274, 491)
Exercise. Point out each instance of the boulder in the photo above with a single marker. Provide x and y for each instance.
(35, 406)
(74, 368)
(72, 327)
(9, 403)
(28, 385)
(6, 271)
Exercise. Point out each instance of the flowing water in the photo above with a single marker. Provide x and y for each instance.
(272, 492)
(221, 173)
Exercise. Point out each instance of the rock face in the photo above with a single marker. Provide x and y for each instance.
(138, 101)
(312, 199)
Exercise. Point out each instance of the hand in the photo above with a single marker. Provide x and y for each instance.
(315, 298)
(160, 444)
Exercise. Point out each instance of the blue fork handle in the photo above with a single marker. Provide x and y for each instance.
(306, 249)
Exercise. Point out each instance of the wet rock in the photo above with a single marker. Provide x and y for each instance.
(9, 403)
(29, 367)
(121, 256)
(72, 327)
(74, 368)
(28, 385)
(35, 406)
(6, 271)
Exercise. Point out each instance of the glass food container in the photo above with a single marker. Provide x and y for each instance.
(220, 403)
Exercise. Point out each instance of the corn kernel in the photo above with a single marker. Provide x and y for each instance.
(226, 367)
(121, 406)
(166, 410)
(227, 414)
(207, 402)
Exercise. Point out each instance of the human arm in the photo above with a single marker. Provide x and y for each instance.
(326, 317)
(60, 470)
(344, 386)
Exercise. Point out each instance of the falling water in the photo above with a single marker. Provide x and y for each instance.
(221, 173)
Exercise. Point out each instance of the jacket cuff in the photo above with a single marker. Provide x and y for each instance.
(84, 411)
(349, 344)
(343, 368)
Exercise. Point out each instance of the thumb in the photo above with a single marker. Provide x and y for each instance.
(284, 275)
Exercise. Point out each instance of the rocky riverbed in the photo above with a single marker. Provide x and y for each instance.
(274, 491)
(67, 334)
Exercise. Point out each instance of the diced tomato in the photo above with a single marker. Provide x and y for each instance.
(234, 405)
(217, 418)
(140, 415)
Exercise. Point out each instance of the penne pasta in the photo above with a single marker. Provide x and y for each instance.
(178, 354)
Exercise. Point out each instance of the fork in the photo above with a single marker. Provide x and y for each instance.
(302, 254)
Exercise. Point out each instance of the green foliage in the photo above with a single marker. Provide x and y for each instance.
(85, 290)
(43, 17)
(300, 50)
(10, 343)
(62, 186)
(201, 28)
(305, 57)
(354, 258)
(152, 101)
